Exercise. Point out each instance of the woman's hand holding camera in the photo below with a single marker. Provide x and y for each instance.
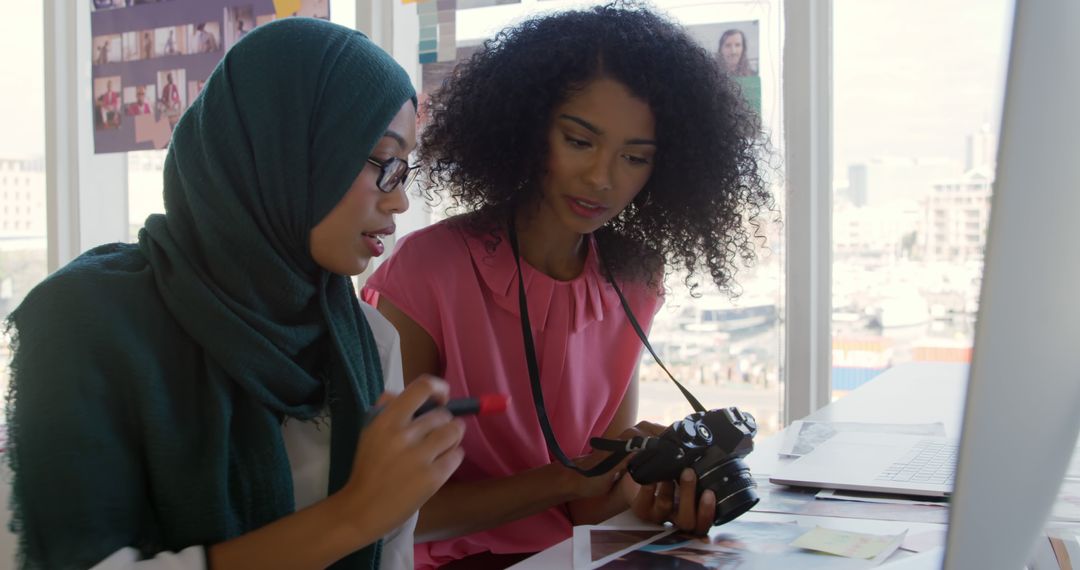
(668, 500)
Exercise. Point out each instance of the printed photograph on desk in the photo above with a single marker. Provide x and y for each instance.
(740, 544)
(595, 545)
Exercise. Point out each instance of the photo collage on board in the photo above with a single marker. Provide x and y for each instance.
(151, 58)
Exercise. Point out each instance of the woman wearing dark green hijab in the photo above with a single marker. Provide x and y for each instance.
(197, 398)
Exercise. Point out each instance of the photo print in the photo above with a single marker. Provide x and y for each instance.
(169, 41)
(107, 102)
(108, 49)
(204, 37)
(239, 20)
(139, 100)
(736, 48)
(172, 99)
(194, 88)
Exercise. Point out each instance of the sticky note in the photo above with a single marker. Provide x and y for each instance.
(284, 8)
(849, 544)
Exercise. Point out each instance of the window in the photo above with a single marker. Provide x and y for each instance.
(22, 151)
(726, 351)
(905, 144)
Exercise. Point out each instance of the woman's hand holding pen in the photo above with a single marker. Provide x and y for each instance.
(401, 460)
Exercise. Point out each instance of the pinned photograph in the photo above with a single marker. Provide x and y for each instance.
(169, 41)
(737, 48)
(107, 102)
(145, 39)
(171, 98)
(131, 46)
(314, 9)
(194, 88)
(239, 20)
(108, 49)
(138, 100)
(264, 19)
(204, 37)
(108, 4)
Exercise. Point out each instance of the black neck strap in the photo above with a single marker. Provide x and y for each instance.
(619, 449)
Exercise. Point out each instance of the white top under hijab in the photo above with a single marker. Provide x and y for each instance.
(308, 448)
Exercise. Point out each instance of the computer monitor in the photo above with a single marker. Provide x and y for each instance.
(1023, 399)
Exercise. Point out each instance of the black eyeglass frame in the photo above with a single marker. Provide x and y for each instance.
(386, 168)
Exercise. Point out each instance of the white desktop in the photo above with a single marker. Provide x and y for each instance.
(1023, 398)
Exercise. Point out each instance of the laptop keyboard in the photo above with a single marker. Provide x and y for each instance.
(928, 462)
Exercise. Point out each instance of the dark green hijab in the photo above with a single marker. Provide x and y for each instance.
(111, 400)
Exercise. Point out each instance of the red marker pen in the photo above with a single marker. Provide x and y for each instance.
(480, 406)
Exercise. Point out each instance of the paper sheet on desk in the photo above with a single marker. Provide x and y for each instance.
(835, 495)
(803, 436)
(742, 545)
(801, 501)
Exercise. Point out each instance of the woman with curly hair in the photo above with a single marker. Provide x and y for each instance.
(608, 143)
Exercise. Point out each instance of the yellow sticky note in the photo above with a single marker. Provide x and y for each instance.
(285, 8)
(849, 544)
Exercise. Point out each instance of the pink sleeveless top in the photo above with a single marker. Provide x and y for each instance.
(466, 298)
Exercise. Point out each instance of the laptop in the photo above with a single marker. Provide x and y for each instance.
(903, 464)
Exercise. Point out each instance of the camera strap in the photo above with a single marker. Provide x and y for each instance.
(618, 448)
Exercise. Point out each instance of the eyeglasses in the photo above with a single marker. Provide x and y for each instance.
(393, 172)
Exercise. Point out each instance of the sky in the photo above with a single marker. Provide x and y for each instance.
(912, 77)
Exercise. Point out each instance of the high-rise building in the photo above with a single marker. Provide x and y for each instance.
(981, 149)
(22, 198)
(886, 181)
(957, 217)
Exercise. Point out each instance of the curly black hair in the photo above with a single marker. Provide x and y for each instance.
(485, 143)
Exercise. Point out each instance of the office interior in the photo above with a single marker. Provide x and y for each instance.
(883, 119)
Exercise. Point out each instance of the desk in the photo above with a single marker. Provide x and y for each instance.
(910, 393)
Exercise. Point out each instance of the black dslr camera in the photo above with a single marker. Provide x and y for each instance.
(711, 443)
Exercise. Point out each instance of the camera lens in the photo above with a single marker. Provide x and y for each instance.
(734, 488)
